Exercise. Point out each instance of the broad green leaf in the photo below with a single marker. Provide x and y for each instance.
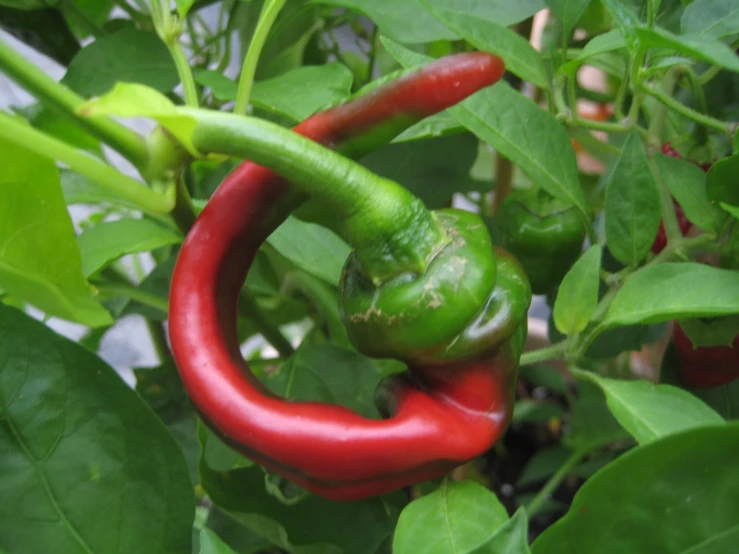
(59, 126)
(504, 119)
(319, 86)
(311, 526)
(648, 411)
(434, 170)
(84, 463)
(32, 27)
(715, 18)
(210, 543)
(105, 243)
(327, 373)
(128, 55)
(675, 290)
(503, 12)
(457, 517)
(311, 247)
(544, 376)
(511, 538)
(404, 20)
(578, 294)
(487, 34)
(40, 262)
(78, 189)
(28, 4)
(723, 181)
(568, 12)
(632, 204)
(135, 100)
(687, 183)
(676, 494)
(700, 47)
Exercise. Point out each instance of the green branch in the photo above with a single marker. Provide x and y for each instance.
(553, 352)
(270, 10)
(538, 502)
(684, 110)
(122, 139)
(18, 132)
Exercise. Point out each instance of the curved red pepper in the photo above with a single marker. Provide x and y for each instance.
(441, 416)
(706, 366)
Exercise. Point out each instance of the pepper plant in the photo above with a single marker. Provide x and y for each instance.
(420, 276)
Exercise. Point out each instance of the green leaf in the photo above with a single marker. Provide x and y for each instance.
(648, 411)
(404, 20)
(312, 248)
(715, 18)
(28, 4)
(624, 18)
(700, 47)
(675, 290)
(487, 34)
(39, 258)
(457, 517)
(568, 12)
(211, 544)
(105, 243)
(592, 424)
(687, 183)
(319, 86)
(433, 170)
(437, 125)
(632, 205)
(128, 55)
(544, 376)
(183, 6)
(503, 118)
(32, 27)
(57, 125)
(327, 373)
(511, 538)
(78, 189)
(689, 479)
(533, 411)
(733, 210)
(135, 100)
(723, 181)
(85, 463)
(578, 294)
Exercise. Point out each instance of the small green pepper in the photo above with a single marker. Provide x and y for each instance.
(544, 233)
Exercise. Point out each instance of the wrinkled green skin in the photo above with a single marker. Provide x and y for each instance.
(545, 234)
(471, 298)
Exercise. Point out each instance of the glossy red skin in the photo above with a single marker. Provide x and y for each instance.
(660, 240)
(438, 421)
(706, 367)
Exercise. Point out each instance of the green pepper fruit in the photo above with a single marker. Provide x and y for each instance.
(469, 300)
(544, 233)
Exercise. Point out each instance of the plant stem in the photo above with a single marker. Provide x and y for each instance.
(135, 293)
(685, 111)
(249, 308)
(503, 180)
(18, 132)
(270, 10)
(552, 352)
(122, 139)
(537, 503)
(158, 339)
(184, 71)
(379, 216)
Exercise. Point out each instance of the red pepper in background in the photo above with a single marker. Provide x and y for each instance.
(441, 415)
(705, 366)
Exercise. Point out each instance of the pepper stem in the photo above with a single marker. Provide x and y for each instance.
(390, 229)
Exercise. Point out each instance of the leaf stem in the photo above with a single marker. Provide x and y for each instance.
(122, 139)
(685, 111)
(551, 352)
(270, 10)
(249, 308)
(17, 132)
(537, 503)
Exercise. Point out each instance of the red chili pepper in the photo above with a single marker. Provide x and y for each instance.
(440, 417)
